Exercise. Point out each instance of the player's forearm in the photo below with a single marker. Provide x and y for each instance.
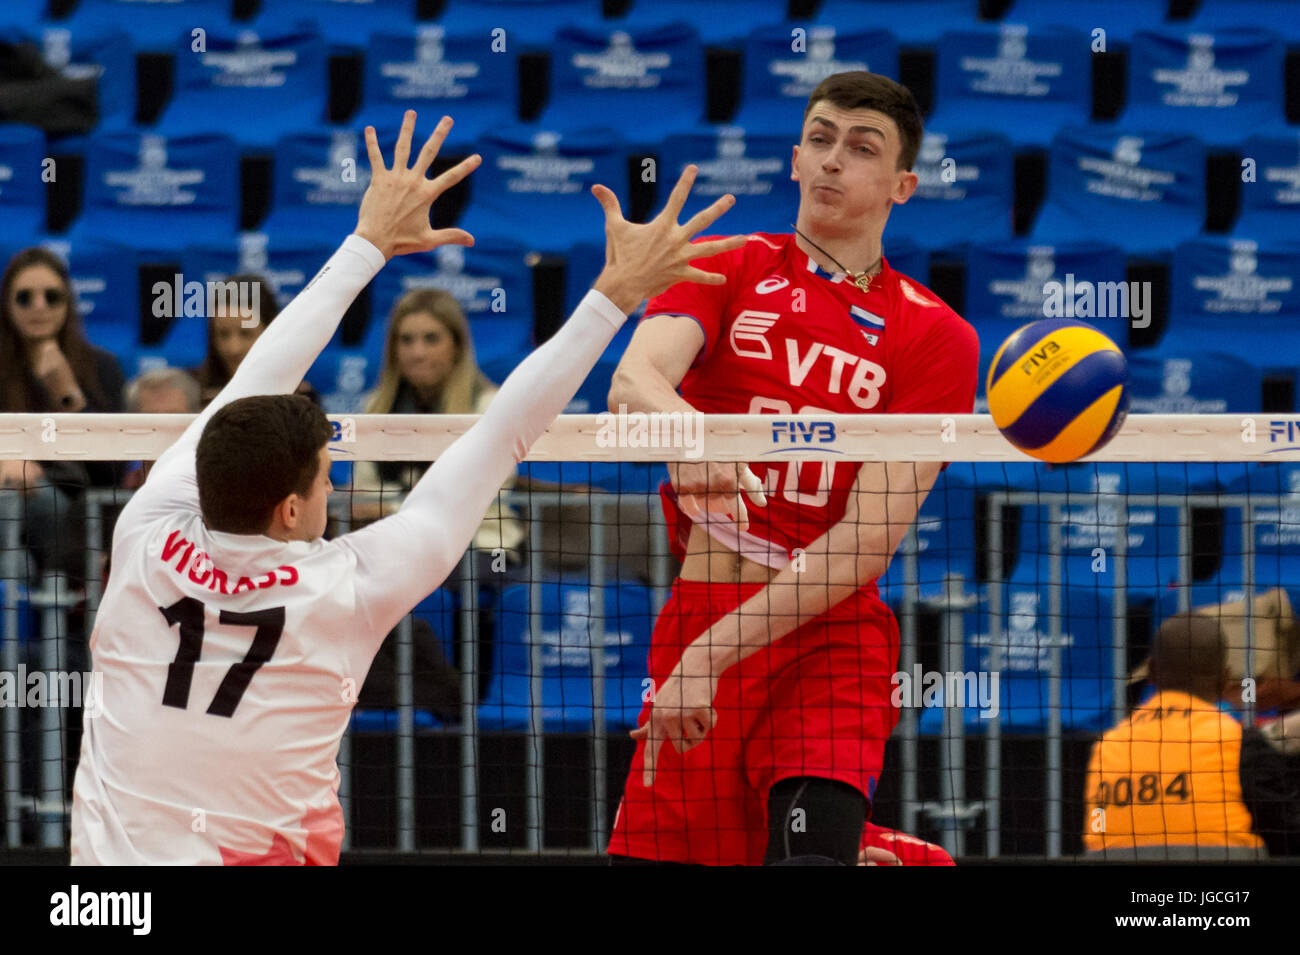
(834, 567)
(640, 386)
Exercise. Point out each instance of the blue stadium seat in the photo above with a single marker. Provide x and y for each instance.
(254, 87)
(778, 80)
(720, 22)
(1024, 640)
(438, 610)
(1274, 490)
(1200, 383)
(1093, 519)
(914, 22)
(1144, 192)
(1005, 282)
(645, 84)
(435, 72)
(346, 24)
(386, 721)
(910, 259)
(106, 282)
(18, 14)
(1270, 204)
(319, 178)
(1279, 15)
(965, 193)
(155, 25)
(1042, 78)
(156, 193)
(524, 24)
(14, 594)
(491, 281)
(755, 169)
(1119, 18)
(566, 628)
(106, 54)
(1236, 296)
(535, 185)
(1215, 87)
(22, 190)
(344, 377)
(945, 537)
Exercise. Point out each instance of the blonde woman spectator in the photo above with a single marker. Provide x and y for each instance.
(429, 368)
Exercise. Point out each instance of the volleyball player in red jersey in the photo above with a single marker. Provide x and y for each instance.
(772, 659)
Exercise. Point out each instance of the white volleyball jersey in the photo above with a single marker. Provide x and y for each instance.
(230, 662)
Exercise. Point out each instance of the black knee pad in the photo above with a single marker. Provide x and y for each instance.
(811, 817)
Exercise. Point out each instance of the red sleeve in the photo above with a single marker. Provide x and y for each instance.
(941, 370)
(909, 849)
(704, 303)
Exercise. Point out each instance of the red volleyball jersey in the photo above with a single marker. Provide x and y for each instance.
(782, 336)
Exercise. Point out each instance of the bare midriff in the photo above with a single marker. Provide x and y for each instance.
(706, 559)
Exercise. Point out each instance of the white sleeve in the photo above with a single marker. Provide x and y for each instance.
(275, 365)
(403, 558)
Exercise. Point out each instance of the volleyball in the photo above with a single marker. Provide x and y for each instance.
(1058, 389)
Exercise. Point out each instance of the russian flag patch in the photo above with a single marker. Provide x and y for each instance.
(863, 317)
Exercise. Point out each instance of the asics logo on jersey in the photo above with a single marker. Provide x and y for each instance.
(749, 333)
(774, 284)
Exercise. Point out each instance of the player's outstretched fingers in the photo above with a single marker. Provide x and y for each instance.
(432, 146)
(710, 214)
(373, 151)
(455, 174)
(609, 202)
(402, 151)
(452, 237)
(677, 198)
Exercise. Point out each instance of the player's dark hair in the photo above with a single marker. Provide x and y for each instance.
(858, 89)
(1188, 655)
(253, 454)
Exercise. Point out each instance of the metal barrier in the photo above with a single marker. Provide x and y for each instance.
(953, 813)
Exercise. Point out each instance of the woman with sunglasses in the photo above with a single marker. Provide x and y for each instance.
(47, 365)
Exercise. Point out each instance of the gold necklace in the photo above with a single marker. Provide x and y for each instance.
(861, 279)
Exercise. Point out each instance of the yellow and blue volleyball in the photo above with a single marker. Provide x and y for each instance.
(1058, 389)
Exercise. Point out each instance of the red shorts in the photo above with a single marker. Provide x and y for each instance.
(815, 703)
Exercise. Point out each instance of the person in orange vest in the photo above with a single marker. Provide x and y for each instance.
(1180, 778)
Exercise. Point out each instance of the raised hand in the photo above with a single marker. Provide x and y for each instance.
(643, 260)
(394, 214)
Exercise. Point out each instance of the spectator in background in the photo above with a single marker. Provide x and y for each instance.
(47, 365)
(1180, 778)
(161, 391)
(230, 336)
(429, 368)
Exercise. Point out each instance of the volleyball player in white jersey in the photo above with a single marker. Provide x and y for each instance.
(231, 637)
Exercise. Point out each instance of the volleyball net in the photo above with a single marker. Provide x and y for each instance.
(1028, 598)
